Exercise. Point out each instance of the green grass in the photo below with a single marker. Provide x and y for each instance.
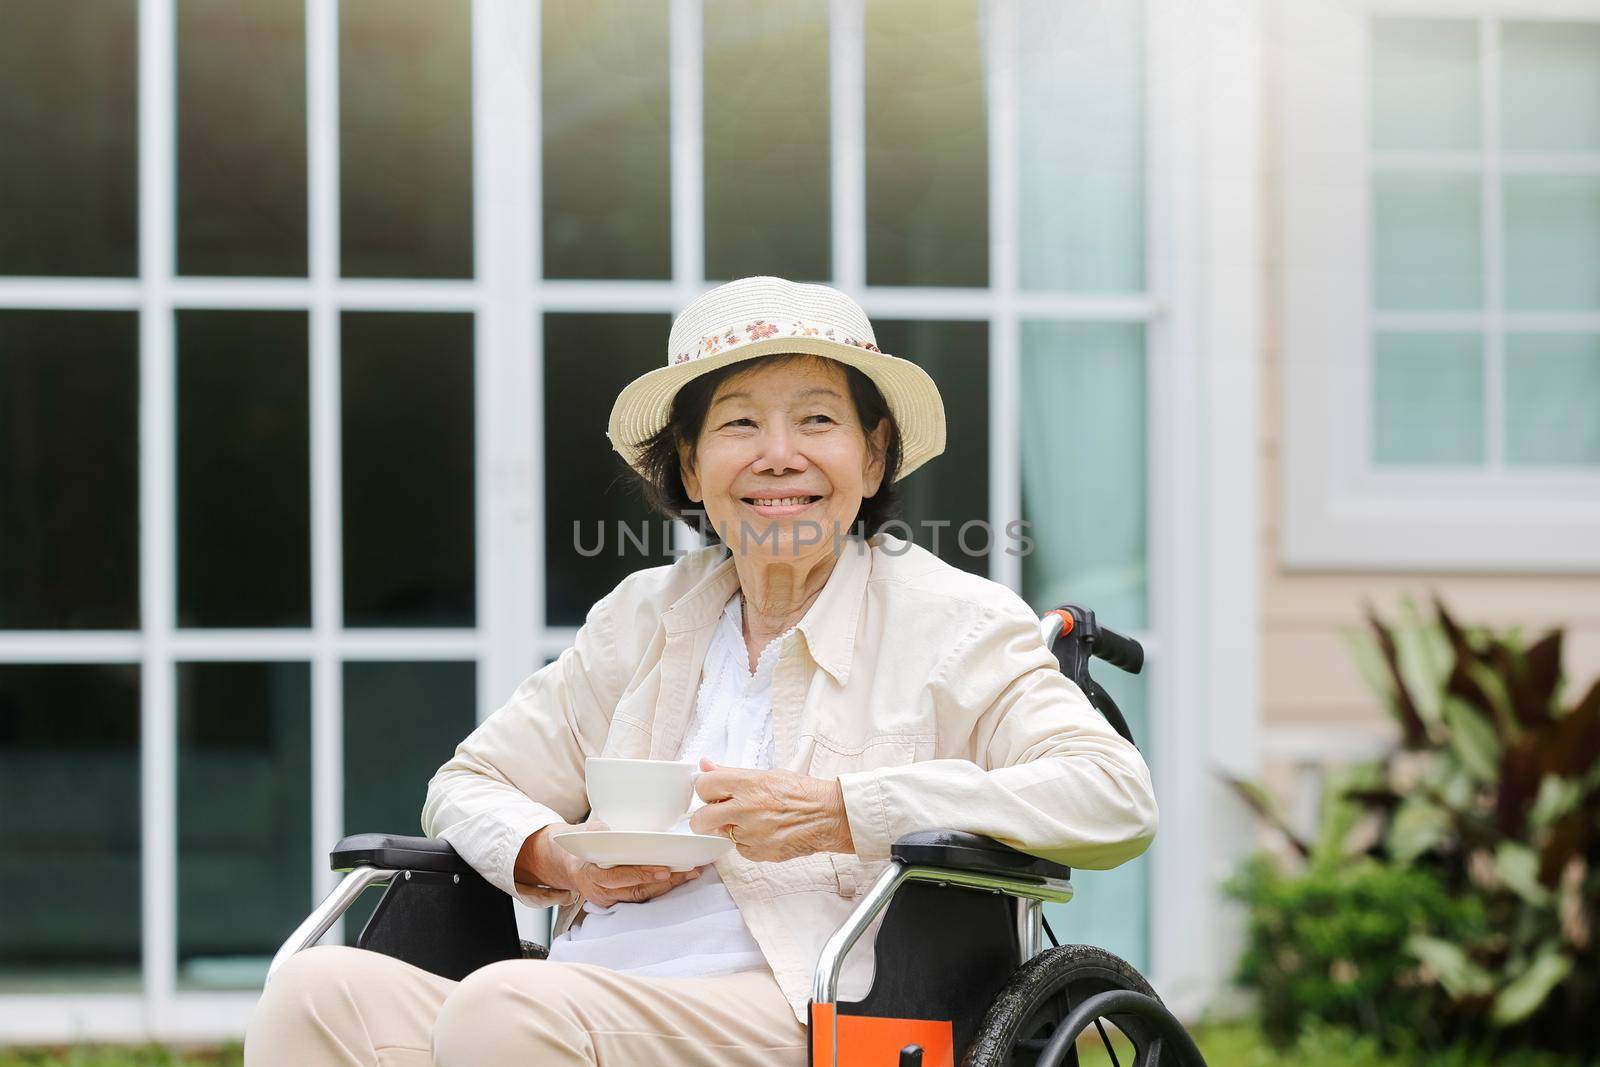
(1241, 1045)
(1223, 1044)
(107, 1056)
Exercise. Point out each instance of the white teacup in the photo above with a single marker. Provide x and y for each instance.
(639, 794)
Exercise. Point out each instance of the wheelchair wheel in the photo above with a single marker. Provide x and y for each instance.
(1044, 992)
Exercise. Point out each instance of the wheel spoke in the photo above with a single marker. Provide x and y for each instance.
(1107, 1041)
(1149, 1055)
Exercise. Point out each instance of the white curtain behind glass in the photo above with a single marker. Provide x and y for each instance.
(1081, 190)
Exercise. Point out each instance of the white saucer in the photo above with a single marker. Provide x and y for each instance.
(613, 848)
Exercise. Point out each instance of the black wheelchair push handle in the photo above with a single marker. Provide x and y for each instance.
(1099, 641)
(1074, 635)
(1119, 651)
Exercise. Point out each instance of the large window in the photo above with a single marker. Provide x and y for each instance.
(239, 445)
(310, 318)
(1442, 346)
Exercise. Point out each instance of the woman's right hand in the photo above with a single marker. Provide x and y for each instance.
(554, 866)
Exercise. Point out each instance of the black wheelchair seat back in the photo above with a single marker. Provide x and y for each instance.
(942, 955)
(450, 923)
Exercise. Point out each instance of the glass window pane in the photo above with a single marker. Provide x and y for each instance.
(69, 864)
(1111, 908)
(1553, 398)
(767, 139)
(1080, 118)
(1550, 86)
(1426, 237)
(590, 499)
(69, 487)
(407, 443)
(244, 817)
(402, 721)
(1424, 84)
(405, 139)
(952, 491)
(1086, 517)
(244, 469)
(241, 137)
(1427, 398)
(69, 121)
(607, 194)
(1552, 242)
(927, 144)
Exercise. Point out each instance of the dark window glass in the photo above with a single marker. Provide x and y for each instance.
(69, 138)
(953, 489)
(402, 721)
(767, 139)
(244, 817)
(595, 520)
(607, 193)
(407, 452)
(69, 469)
(244, 481)
(927, 145)
(405, 138)
(69, 847)
(241, 137)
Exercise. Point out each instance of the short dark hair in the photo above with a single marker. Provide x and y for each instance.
(661, 480)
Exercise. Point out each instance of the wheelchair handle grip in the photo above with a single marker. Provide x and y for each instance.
(1117, 650)
(1102, 642)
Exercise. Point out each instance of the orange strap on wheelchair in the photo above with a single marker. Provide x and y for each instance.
(869, 1041)
(1066, 620)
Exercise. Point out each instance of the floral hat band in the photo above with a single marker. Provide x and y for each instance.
(764, 316)
(760, 330)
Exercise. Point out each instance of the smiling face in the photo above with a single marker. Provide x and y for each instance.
(782, 461)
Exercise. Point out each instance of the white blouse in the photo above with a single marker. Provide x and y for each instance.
(694, 930)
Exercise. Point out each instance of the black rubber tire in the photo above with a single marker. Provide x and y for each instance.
(1034, 994)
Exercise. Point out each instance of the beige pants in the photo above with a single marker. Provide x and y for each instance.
(355, 1008)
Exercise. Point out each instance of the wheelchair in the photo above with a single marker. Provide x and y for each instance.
(985, 992)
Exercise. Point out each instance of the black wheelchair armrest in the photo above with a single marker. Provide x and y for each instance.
(972, 852)
(392, 852)
(447, 919)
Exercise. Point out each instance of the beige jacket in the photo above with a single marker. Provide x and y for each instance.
(925, 690)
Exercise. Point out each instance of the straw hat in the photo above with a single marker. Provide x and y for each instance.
(760, 316)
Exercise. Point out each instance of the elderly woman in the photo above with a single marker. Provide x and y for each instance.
(839, 687)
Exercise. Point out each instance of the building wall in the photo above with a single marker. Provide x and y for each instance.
(1309, 680)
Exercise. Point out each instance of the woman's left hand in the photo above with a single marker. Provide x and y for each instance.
(774, 815)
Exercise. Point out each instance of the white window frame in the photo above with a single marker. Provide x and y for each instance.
(1339, 509)
(1200, 312)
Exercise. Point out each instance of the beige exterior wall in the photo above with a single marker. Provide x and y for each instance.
(1308, 677)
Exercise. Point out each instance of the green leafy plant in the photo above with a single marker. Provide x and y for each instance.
(1493, 797)
(1325, 946)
